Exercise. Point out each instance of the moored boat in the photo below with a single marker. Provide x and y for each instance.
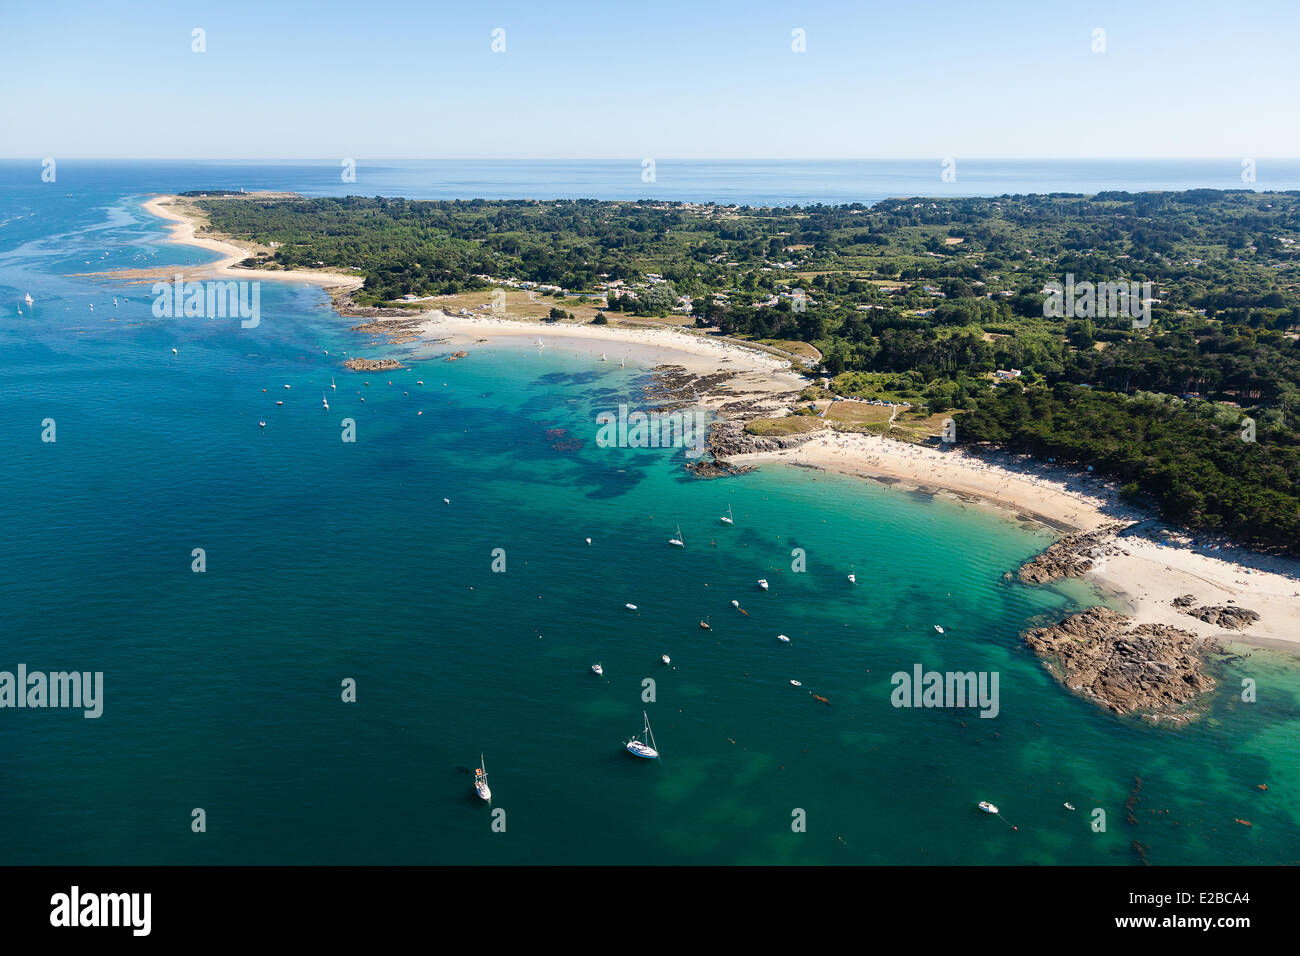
(643, 744)
(480, 780)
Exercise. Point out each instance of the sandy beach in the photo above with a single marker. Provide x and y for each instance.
(756, 376)
(183, 232)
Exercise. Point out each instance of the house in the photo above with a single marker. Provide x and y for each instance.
(1007, 374)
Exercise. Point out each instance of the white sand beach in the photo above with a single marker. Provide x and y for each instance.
(757, 375)
(183, 232)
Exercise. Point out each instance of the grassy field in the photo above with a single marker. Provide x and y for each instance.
(789, 425)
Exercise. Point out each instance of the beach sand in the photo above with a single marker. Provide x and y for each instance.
(758, 376)
(183, 232)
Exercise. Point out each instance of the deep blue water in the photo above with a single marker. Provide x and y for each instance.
(775, 182)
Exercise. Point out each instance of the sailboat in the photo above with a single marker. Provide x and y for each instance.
(706, 625)
(646, 747)
(325, 401)
(762, 583)
(539, 343)
(333, 387)
(598, 670)
(480, 780)
(602, 357)
(987, 807)
(853, 579)
(30, 300)
(727, 518)
(679, 541)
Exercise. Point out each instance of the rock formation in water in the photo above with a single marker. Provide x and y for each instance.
(1072, 556)
(1151, 670)
(371, 365)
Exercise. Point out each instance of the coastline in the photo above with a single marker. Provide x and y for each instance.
(1147, 565)
(1142, 572)
(183, 231)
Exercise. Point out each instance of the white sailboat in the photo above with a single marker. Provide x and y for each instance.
(987, 807)
(643, 744)
(679, 541)
(853, 579)
(762, 583)
(598, 670)
(30, 300)
(666, 659)
(938, 628)
(539, 343)
(727, 518)
(333, 387)
(480, 780)
(783, 639)
(602, 357)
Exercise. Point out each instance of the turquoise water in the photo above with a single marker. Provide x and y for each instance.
(328, 560)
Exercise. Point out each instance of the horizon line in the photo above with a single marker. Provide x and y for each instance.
(657, 159)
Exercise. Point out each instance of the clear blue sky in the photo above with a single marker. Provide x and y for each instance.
(898, 79)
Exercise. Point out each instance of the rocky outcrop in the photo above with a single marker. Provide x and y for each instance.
(1231, 618)
(1184, 600)
(1151, 670)
(396, 332)
(1072, 556)
(729, 438)
(371, 365)
(717, 468)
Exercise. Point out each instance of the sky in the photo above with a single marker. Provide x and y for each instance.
(288, 79)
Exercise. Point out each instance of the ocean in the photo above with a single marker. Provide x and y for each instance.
(328, 561)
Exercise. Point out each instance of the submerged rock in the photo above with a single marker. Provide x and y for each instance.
(1151, 670)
